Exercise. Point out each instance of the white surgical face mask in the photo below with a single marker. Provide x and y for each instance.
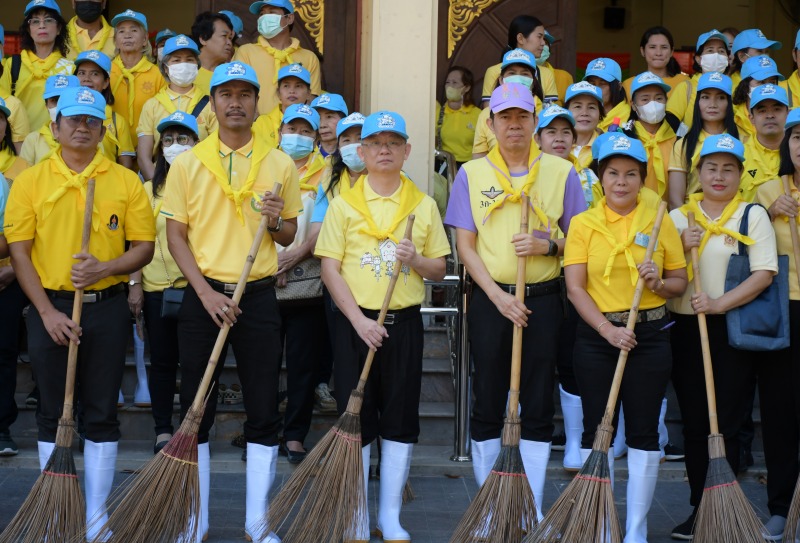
(542, 60)
(652, 112)
(350, 157)
(269, 25)
(523, 80)
(174, 150)
(713, 62)
(53, 113)
(182, 74)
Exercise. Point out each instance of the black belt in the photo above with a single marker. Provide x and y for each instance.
(393, 317)
(552, 286)
(252, 286)
(89, 296)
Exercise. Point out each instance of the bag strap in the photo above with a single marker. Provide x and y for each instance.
(744, 226)
(16, 66)
(198, 108)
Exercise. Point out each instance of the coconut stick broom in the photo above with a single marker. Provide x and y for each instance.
(504, 508)
(163, 503)
(54, 509)
(585, 512)
(334, 506)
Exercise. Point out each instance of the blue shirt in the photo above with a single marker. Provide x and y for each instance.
(4, 190)
(320, 205)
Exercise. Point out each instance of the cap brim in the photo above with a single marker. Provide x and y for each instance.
(530, 108)
(348, 127)
(717, 86)
(6, 111)
(304, 79)
(254, 83)
(71, 111)
(167, 124)
(291, 118)
(544, 124)
(384, 130)
(738, 157)
(754, 103)
(78, 62)
(762, 75)
(121, 19)
(605, 76)
(666, 88)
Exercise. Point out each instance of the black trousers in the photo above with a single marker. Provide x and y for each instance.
(304, 332)
(643, 386)
(101, 362)
(490, 338)
(325, 371)
(163, 336)
(256, 344)
(12, 302)
(566, 347)
(391, 396)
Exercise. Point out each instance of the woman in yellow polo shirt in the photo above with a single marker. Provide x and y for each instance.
(755, 71)
(10, 163)
(457, 120)
(656, 47)
(294, 87)
(602, 245)
(718, 210)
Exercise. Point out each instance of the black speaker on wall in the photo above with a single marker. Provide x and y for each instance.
(614, 18)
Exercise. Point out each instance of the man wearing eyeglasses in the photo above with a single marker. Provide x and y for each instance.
(43, 226)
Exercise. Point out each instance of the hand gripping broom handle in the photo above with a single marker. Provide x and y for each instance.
(205, 384)
(362, 380)
(787, 189)
(711, 393)
(516, 345)
(634, 313)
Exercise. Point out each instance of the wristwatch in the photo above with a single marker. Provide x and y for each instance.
(553, 249)
(278, 225)
(134, 282)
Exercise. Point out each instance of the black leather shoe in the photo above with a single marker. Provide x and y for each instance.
(295, 457)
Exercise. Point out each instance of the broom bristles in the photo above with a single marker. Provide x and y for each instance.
(332, 477)
(724, 513)
(791, 532)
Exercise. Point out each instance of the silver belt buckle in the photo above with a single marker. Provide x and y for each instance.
(229, 288)
(389, 319)
(89, 297)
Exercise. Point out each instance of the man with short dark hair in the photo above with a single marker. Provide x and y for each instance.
(213, 32)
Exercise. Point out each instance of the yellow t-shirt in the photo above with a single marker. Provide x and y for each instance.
(681, 100)
(20, 124)
(718, 250)
(162, 271)
(118, 140)
(267, 126)
(586, 245)
(30, 87)
(485, 140)
(766, 194)
(659, 147)
(203, 80)
(367, 263)
(123, 214)
(458, 130)
(103, 41)
(760, 165)
(38, 145)
(673, 82)
(155, 110)
(217, 238)
(256, 55)
(546, 78)
(11, 166)
(741, 116)
(147, 83)
(621, 111)
(677, 163)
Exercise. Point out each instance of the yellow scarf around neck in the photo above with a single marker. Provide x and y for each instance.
(503, 177)
(651, 144)
(39, 70)
(130, 78)
(74, 181)
(280, 56)
(315, 163)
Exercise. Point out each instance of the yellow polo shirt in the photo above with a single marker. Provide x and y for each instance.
(57, 236)
(485, 140)
(587, 246)
(217, 238)
(256, 55)
(30, 88)
(268, 126)
(147, 84)
(20, 124)
(38, 145)
(367, 263)
(673, 82)
(766, 194)
(760, 165)
(458, 130)
(118, 140)
(154, 111)
(103, 41)
(546, 78)
(677, 163)
(682, 98)
(203, 80)
(162, 272)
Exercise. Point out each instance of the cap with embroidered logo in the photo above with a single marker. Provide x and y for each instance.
(301, 111)
(793, 119)
(723, 143)
(295, 70)
(606, 69)
(755, 39)
(583, 87)
(768, 92)
(519, 56)
(510, 95)
(255, 7)
(55, 85)
(760, 68)
(354, 119)
(550, 114)
(331, 102)
(623, 146)
(236, 21)
(714, 80)
(98, 57)
(41, 4)
(601, 139)
(233, 71)
(384, 121)
(179, 118)
(711, 35)
(647, 79)
(81, 101)
(130, 15)
(180, 42)
(164, 35)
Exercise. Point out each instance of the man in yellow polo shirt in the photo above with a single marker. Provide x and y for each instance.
(485, 209)
(214, 199)
(361, 245)
(769, 106)
(276, 48)
(89, 29)
(43, 226)
(213, 33)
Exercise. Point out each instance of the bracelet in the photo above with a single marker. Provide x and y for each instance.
(601, 325)
(659, 287)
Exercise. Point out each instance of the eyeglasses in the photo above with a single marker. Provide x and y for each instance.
(181, 139)
(392, 145)
(39, 22)
(92, 123)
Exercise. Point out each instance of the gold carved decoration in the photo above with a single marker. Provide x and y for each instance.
(312, 12)
(461, 15)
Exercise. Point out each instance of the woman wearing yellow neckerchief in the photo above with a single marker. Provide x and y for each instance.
(10, 163)
(43, 37)
(718, 211)
(605, 74)
(294, 87)
(755, 71)
(585, 102)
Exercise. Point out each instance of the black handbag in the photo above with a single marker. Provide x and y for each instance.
(171, 300)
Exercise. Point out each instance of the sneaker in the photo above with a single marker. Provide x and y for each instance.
(773, 529)
(7, 445)
(161, 442)
(323, 399)
(685, 530)
(673, 453)
(559, 442)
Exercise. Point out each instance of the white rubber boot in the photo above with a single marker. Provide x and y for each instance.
(663, 433)
(45, 451)
(642, 478)
(204, 471)
(261, 465)
(395, 465)
(535, 455)
(99, 461)
(620, 447)
(141, 396)
(572, 408)
(585, 455)
(484, 455)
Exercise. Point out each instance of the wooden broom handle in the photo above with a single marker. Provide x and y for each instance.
(77, 306)
(516, 345)
(787, 189)
(634, 313)
(708, 371)
(222, 336)
(362, 380)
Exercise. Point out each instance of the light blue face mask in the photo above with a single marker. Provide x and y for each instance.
(350, 157)
(523, 80)
(296, 146)
(269, 25)
(544, 56)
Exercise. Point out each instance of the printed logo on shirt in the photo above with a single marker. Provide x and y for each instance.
(492, 193)
(752, 173)
(113, 223)
(382, 262)
(255, 204)
(729, 241)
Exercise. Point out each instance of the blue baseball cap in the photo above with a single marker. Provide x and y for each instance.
(601, 139)
(793, 119)
(647, 79)
(234, 71)
(723, 143)
(519, 56)
(552, 113)
(331, 102)
(130, 15)
(768, 92)
(164, 35)
(236, 21)
(42, 4)
(711, 35)
(354, 119)
(81, 101)
(760, 68)
(623, 146)
(55, 84)
(384, 121)
(301, 111)
(753, 37)
(797, 40)
(179, 118)
(4, 108)
(295, 70)
(180, 42)
(549, 37)
(714, 80)
(606, 69)
(583, 87)
(255, 7)
(98, 57)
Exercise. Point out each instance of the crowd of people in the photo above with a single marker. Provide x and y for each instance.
(191, 140)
